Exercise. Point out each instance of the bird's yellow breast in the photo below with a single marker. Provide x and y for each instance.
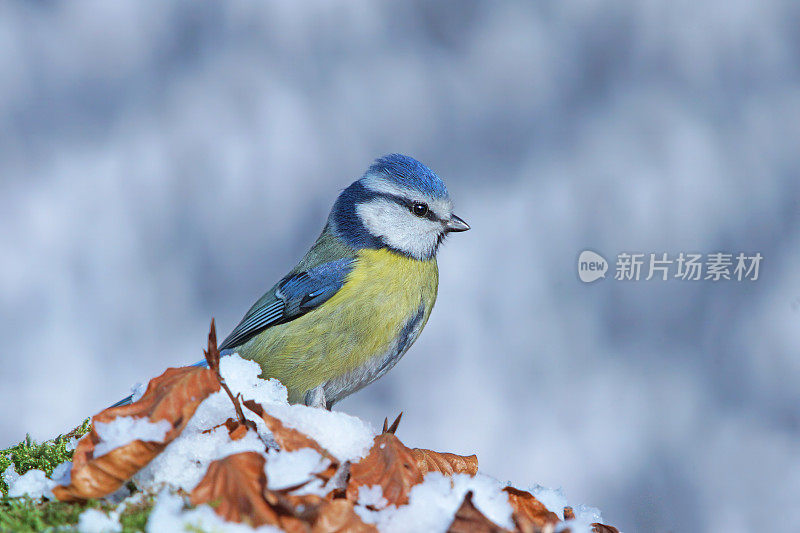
(361, 321)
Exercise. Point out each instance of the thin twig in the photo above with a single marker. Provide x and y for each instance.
(213, 357)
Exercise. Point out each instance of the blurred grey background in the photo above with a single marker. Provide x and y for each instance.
(163, 163)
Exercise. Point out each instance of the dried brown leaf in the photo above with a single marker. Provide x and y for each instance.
(234, 486)
(338, 516)
(318, 514)
(569, 513)
(288, 439)
(603, 528)
(172, 396)
(290, 524)
(302, 506)
(389, 464)
(446, 463)
(235, 429)
(529, 513)
(469, 519)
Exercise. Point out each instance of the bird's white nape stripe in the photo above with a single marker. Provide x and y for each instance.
(399, 228)
(381, 185)
(442, 207)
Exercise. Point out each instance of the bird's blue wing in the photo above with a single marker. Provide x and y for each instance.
(295, 295)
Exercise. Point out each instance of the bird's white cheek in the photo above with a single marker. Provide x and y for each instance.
(398, 228)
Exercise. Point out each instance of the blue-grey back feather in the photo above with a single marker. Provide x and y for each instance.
(295, 295)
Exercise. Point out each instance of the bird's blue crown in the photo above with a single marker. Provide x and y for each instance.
(409, 173)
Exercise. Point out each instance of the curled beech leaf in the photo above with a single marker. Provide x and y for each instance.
(338, 516)
(173, 396)
(529, 513)
(389, 464)
(603, 528)
(234, 486)
(445, 463)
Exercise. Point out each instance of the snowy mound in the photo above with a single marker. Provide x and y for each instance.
(200, 455)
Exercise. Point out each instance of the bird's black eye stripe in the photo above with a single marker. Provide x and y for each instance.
(419, 209)
(423, 211)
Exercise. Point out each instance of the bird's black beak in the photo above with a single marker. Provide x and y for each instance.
(455, 224)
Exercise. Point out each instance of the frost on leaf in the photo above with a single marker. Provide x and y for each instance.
(389, 464)
(173, 396)
(445, 463)
(469, 519)
(529, 513)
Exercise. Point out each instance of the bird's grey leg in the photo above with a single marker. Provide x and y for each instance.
(316, 397)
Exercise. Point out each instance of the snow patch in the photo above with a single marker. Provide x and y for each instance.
(286, 469)
(137, 391)
(62, 473)
(125, 429)
(184, 461)
(555, 501)
(33, 483)
(433, 503)
(170, 514)
(95, 521)
(10, 475)
(372, 496)
(348, 438)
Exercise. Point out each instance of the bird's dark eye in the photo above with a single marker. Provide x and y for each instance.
(419, 209)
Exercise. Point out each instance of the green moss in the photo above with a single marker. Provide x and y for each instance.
(28, 454)
(135, 517)
(25, 515)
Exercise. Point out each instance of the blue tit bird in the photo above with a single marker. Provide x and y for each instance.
(357, 301)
